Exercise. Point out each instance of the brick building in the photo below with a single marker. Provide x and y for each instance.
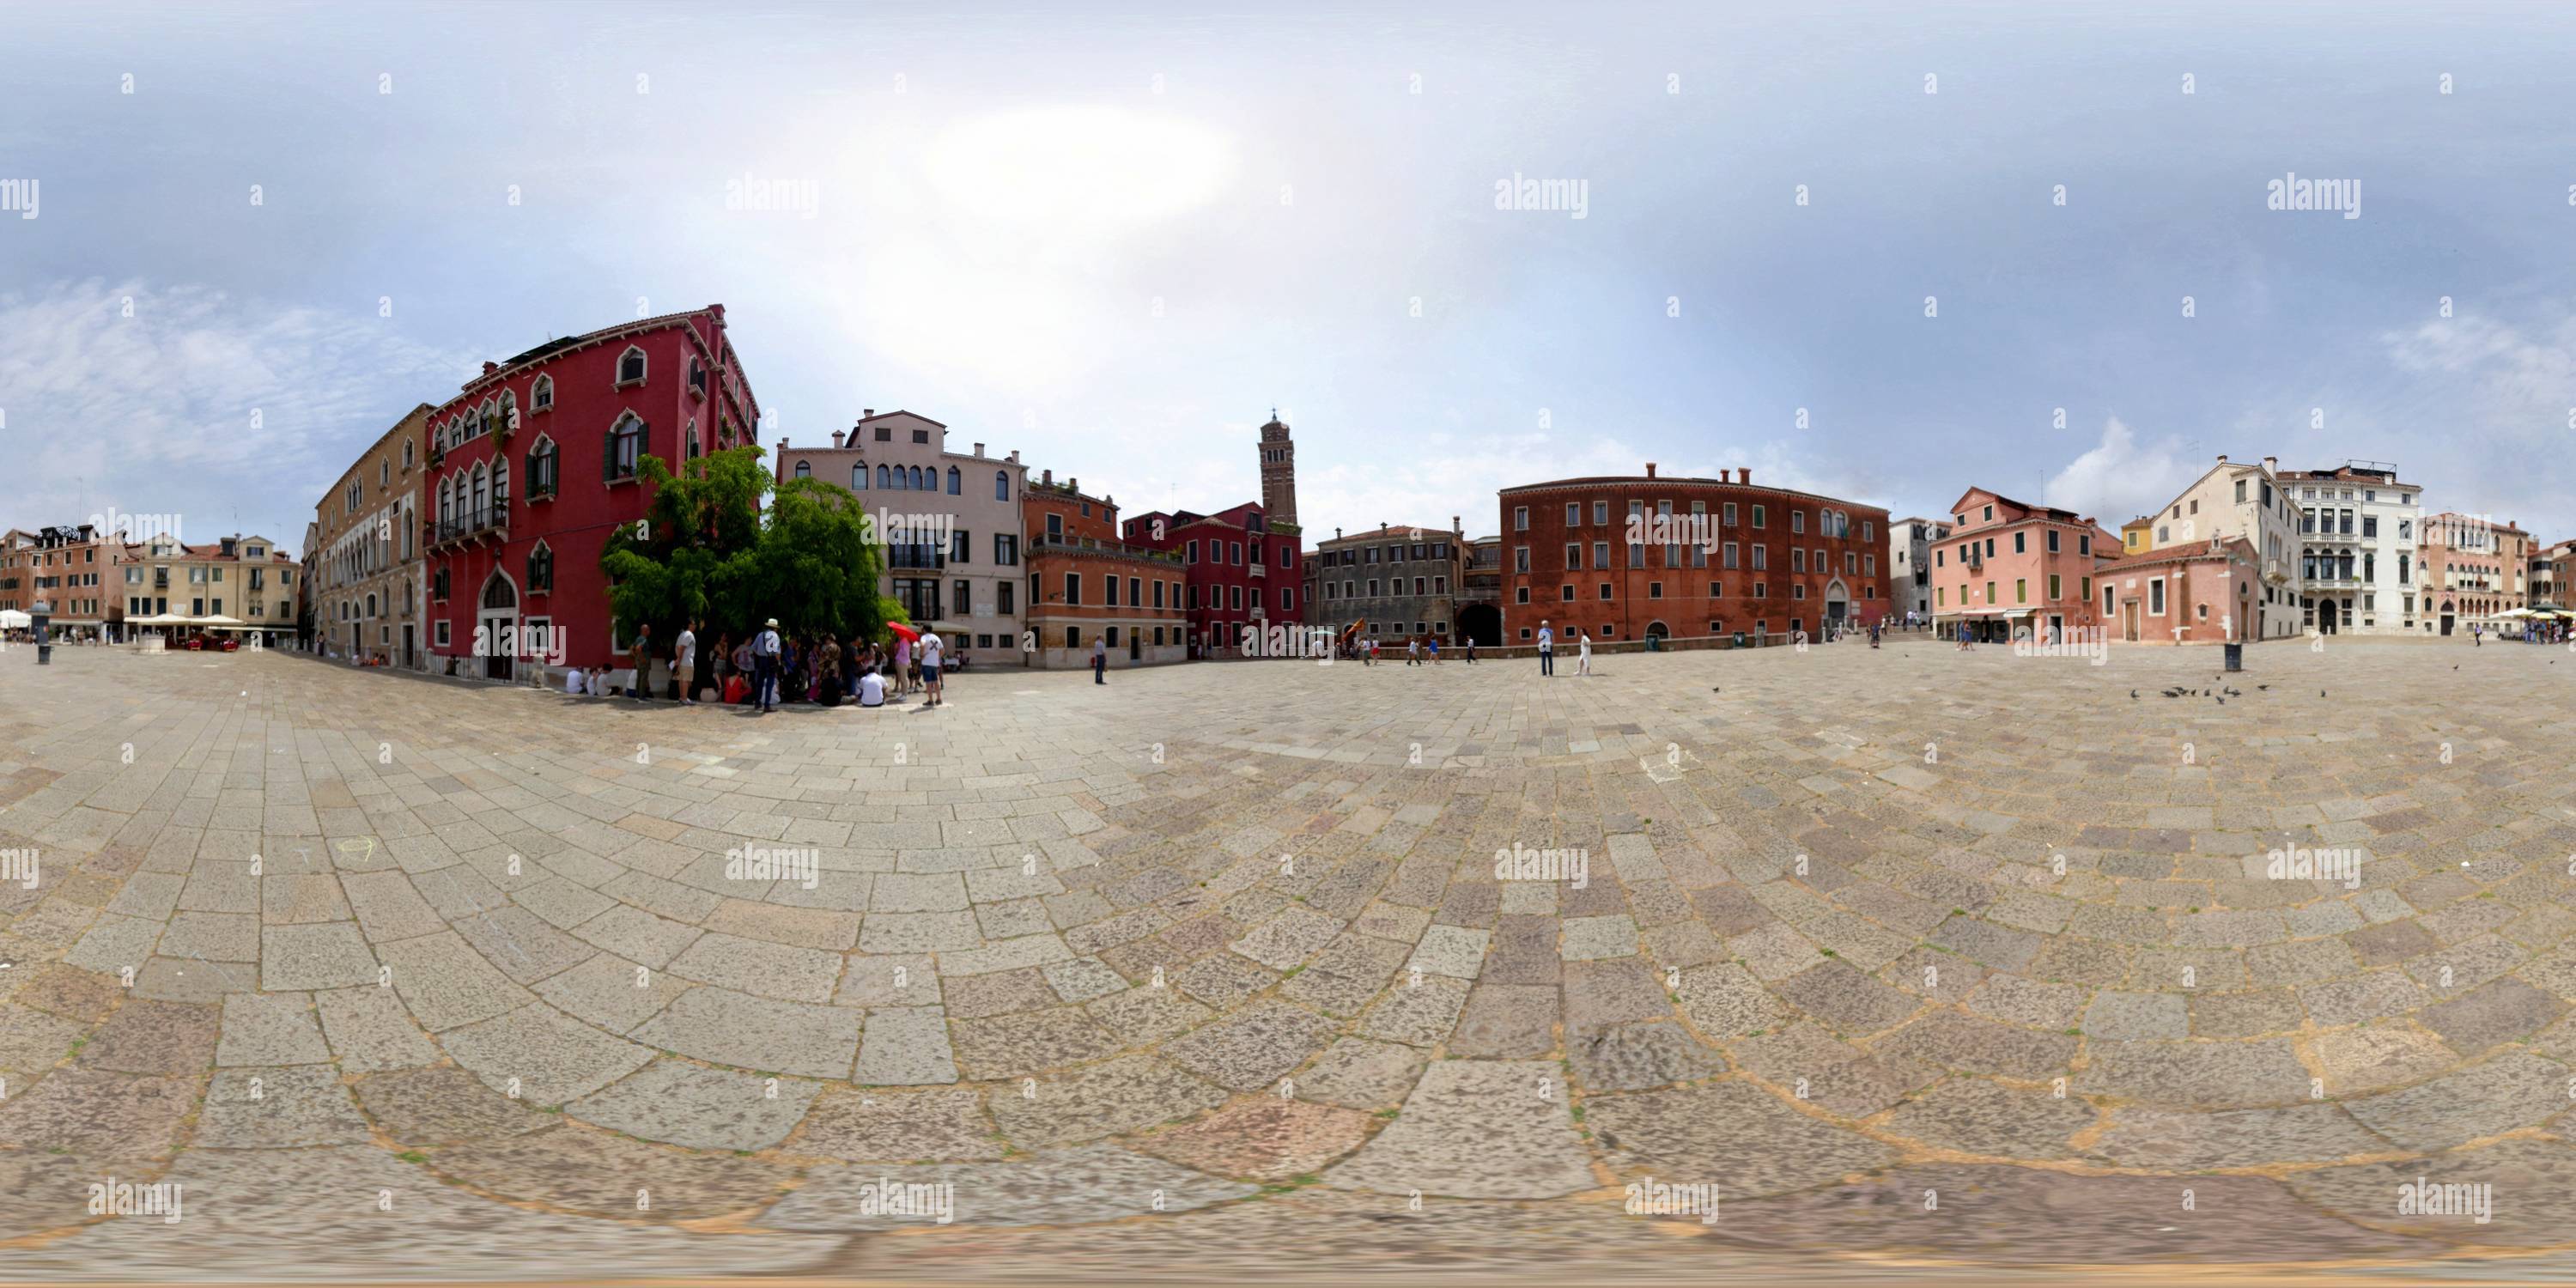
(365, 552)
(1719, 555)
(2202, 592)
(1396, 583)
(513, 571)
(2553, 576)
(71, 568)
(1087, 585)
(2470, 570)
(1240, 570)
(2009, 566)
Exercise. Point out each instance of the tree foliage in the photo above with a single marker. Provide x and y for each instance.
(710, 550)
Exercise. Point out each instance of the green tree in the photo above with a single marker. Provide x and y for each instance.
(709, 550)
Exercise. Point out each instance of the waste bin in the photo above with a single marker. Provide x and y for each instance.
(1739, 639)
(2235, 656)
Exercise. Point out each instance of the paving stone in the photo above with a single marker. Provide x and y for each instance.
(2522, 1194)
(1727, 1129)
(540, 1054)
(1845, 999)
(443, 1106)
(270, 1028)
(905, 1046)
(278, 1108)
(101, 1115)
(1724, 1000)
(369, 1029)
(1012, 1046)
(757, 1033)
(1260, 1138)
(599, 1173)
(2128, 1017)
(1251, 1050)
(1362, 1074)
(1633, 1057)
(2500, 1010)
(685, 1104)
(2167, 1140)
(2196, 1075)
(447, 984)
(2514, 1089)
(155, 1037)
(1112, 1098)
(1969, 1044)
(945, 1124)
(1476, 1129)
(1511, 1021)
(1973, 1116)
(1451, 950)
(1089, 1184)
(2369, 1058)
(307, 957)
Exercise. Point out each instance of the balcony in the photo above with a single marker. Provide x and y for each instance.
(468, 524)
(916, 557)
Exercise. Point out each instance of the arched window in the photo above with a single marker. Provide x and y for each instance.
(1001, 485)
(921, 482)
(501, 490)
(859, 477)
(482, 492)
(804, 470)
(491, 413)
(542, 460)
(630, 366)
(881, 476)
(541, 569)
(446, 508)
(625, 447)
(954, 481)
(509, 410)
(371, 608)
(541, 395)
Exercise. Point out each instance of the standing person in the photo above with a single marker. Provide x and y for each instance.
(902, 665)
(827, 673)
(1873, 633)
(1470, 648)
(1099, 660)
(764, 668)
(1435, 650)
(1413, 650)
(1546, 648)
(1583, 653)
(684, 662)
(931, 648)
(641, 656)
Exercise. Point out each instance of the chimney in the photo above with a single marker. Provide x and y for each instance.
(979, 451)
(2222, 458)
(1072, 484)
(1650, 469)
(2271, 464)
(1014, 457)
(1046, 478)
(865, 412)
(1381, 527)
(490, 367)
(1745, 474)
(1337, 534)
(1455, 527)
(782, 442)
(837, 436)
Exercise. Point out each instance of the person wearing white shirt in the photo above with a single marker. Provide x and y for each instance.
(684, 660)
(871, 689)
(1583, 654)
(931, 647)
(1546, 648)
(573, 685)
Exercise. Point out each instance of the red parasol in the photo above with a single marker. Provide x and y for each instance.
(903, 630)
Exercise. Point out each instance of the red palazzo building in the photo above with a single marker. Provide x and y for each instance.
(1242, 569)
(535, 463)
(1628, 558)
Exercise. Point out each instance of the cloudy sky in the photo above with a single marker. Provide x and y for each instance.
(1115, 242)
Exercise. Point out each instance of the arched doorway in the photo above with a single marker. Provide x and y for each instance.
(1837, 603)
(2447, 619)
(1658, 631)
(1482, 623)
(2326, 616)
(496, 625)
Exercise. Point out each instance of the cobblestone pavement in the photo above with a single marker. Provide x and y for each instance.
(1918, 961)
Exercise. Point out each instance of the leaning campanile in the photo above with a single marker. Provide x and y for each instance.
(1278, 472)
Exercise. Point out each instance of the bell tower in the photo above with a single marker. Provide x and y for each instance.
(1278, 471)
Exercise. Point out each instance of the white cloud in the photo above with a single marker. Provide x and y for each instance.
(2119, 478)
(197, 404)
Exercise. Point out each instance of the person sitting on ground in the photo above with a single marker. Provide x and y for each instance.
(871, 688)
(574, 681)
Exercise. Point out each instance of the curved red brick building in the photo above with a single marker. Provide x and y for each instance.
(1717, 556)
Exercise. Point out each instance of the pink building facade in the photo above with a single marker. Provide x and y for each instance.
(2203, 592)
(2008, 566)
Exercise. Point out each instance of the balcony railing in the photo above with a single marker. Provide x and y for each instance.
(916, 557)
(468, 523)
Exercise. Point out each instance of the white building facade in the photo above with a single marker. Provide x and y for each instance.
(2359, 532)
(1909, 563)
(2233, 500)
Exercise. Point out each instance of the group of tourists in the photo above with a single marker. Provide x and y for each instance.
(765, 667)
